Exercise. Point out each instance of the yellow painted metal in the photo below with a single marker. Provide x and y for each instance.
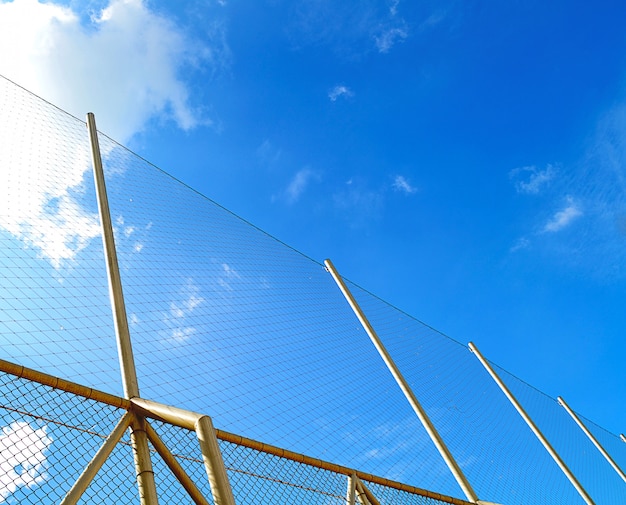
(364, 490)
(143, 463)
(139, 439)
(593, 439)
(82, 483)
(441, 446)
(178, 471)
(127, 362)
(531, 424)
(351, 492)
(64, 385)
(213, 462)
(172, 415)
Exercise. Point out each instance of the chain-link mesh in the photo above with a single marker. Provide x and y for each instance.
(49, 436)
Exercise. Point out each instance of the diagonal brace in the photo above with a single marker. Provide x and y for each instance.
(81, 485)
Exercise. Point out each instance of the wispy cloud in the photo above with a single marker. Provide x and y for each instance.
(401, 184)
(350, 29)
(389, 37)
(520, 244)
(268, 154)
(563, 217)
(298, 184)
(181, 310)
(359, 204)
(22, 457)
(339, 90)
(227, 275)
(530, 180)
(39, 206)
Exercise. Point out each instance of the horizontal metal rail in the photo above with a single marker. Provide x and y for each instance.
(187, 420)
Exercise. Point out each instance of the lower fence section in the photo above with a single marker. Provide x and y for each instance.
(51, 429)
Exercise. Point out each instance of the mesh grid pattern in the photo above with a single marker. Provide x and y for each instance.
(49, 436)
(230, 321)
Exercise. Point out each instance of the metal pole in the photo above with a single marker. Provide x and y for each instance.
(406, 389)
(368, 494)
(213, 462)
(622, 437)
(351, 492)
(555, 456)
(178, 471)
(593, 439)
(81, 485)
(139, 439)
(125, 350)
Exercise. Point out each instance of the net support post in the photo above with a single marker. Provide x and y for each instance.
(82, 483)
(531, 424)
(213, 462)
(351, 491)
(178, 471)
(139, 439)
(593, 439)
(452, 464)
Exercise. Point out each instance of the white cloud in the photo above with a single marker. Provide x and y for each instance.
(389, 37)
(393, 7)
(338, 91)
(359, 204)
(520, 244)
(530, 180)
(298, 184)
(22, 457)
(41, 182)
(563, 217)
(124, 66)
(401, 184)
(180, 311)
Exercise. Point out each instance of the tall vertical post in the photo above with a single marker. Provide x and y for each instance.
(139, 438)
(213, 462)
(404, 386)
(593, 439)
(531, 424)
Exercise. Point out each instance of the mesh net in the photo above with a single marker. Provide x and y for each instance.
(229, 321)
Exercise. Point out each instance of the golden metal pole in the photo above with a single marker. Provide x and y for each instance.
(82, 483)
(351, 492)
(531, 424)
(593, 439)
(139, 439)
(368, 494)
(175, 467)
(213, 462)
(406, 389)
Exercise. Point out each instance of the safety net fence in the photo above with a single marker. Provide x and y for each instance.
(54, 427)
(229, 321)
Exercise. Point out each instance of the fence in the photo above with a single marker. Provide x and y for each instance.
(227, 320)
(55, 426)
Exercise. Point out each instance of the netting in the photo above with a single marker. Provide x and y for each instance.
(229, 321)
(49, 436)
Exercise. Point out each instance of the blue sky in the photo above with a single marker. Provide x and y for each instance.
(464, 161)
